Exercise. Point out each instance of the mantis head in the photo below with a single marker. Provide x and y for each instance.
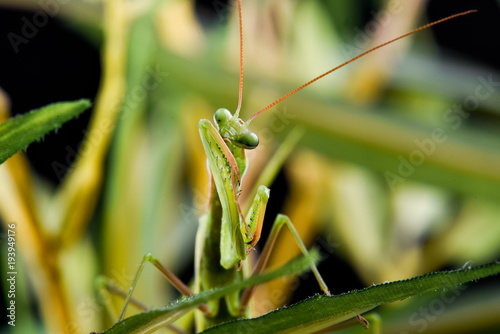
(232, 128)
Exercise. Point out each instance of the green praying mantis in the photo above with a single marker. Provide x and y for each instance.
(225, 234)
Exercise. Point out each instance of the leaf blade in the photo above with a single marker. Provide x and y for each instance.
(17, 133)
(321, 312)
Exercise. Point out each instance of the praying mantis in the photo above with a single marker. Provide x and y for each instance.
(225, 234)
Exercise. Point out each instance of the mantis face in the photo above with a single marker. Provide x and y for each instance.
(232, 128)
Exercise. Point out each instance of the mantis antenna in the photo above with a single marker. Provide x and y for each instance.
(240, 98)
(347, 62)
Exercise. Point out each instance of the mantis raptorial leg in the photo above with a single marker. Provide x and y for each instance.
(225, 235)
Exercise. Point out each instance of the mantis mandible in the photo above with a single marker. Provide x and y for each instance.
(225, 235)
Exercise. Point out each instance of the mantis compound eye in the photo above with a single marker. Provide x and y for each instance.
(222, 115)
(248, 140)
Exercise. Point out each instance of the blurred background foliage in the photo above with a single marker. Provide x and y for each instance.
(398, 173)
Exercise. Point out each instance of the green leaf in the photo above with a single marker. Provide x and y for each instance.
(321, 311)
(17, 133)
(148, 322)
